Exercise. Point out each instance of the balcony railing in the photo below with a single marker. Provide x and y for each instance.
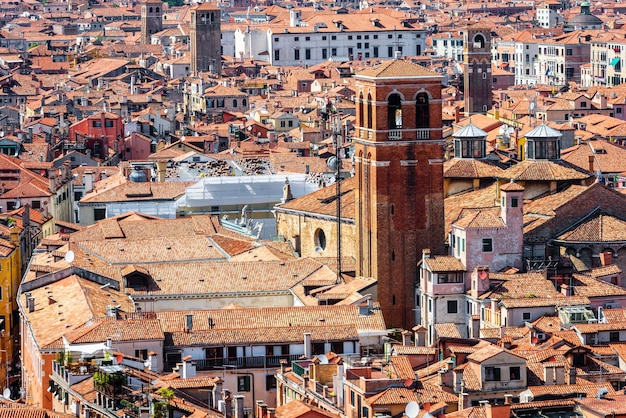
(395, 135)
(256, 362)
(73, 372)
(492, 318)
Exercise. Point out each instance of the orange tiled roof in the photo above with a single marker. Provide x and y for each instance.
(397, 68)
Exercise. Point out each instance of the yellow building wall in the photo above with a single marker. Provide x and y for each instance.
(304, 229)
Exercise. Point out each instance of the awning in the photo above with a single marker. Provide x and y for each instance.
(614, 61)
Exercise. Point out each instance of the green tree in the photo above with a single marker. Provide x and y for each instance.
(174, 3)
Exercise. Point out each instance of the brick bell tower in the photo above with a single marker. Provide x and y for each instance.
(399, 174)
(477, 78)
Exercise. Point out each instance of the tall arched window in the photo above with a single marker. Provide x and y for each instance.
(422, 113)
(369, 111)
(360, 113)
(394, 112)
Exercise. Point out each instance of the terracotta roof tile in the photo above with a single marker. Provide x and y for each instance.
(466, 168)
(533, 170)
(398, 68)
(444, 263)
(599, 228)
(612, 404)
(402, 367)
(447, 331)
(267, 334)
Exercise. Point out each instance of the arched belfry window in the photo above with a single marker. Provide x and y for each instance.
(369, 110)
(361, 109)
(479, 41)
(394, 112)
(422, 113)
(150, 10)
(158, 10)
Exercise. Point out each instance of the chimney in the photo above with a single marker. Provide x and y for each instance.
(508, 399)
(88, 180)
(287, 195)
(567, 290)
(217, 392)
(152, 361)
(189, 368)
(227, 402)
(591, 158)
(271, 413)
(498, 411)
(52, 182)
(30, 302)
(239, 406)
(307, 345)
(406, 338)
(420, 336)
(606, 258)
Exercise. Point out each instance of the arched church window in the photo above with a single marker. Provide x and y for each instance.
(394, 112)
(369, 111)
(422, 111)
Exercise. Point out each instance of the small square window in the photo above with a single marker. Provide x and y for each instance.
(526, 316)
(270, 382)
(487, 245)
(453, 307)
(243, 383)
(297, 38)
(307, 38)
(514, 202)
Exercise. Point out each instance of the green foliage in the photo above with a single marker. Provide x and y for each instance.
(129, 405)
(160, 409)
(166, 393)
(174, 3)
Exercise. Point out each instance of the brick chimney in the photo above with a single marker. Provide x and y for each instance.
(606, 258)
(497, 411)
(591, 158)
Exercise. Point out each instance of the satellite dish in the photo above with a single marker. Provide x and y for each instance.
(7, 393)
(412, 409)
(69, 256)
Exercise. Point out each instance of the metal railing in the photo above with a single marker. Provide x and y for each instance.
(255, 362)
